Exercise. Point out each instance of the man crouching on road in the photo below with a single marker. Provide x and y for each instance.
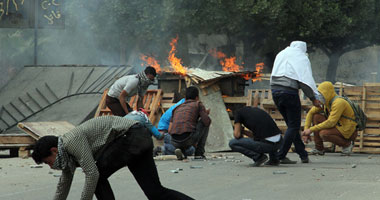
(336, 126)
(101, 146)
(264, 136)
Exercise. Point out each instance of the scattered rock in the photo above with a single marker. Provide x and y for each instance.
(36, 166)
(230, 157)
(369, 157)
(212, 163)
(57, 175)
(279, 172)
(50, 172)
(229, 160)
(353, 166)
(322, 174)
(313, 169)
(174, 171)
(179, 169)
(195, 167)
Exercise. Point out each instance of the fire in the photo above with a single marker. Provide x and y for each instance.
(152, 62)
(175, 62)
(228, 64)
(259, 68)
(229, 110)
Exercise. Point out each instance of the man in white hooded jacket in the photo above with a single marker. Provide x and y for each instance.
(291, 72)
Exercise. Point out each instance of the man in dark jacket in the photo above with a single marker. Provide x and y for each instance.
(263, 136)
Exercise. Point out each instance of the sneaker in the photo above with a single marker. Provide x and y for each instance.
(346, 151)
(305, 160)
(260, 161)
(317, 152)
(286, 160)
(179, 154)
(272, 163)
(156, 151)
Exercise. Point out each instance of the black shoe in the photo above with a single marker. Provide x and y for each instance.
(272, 163)
(260, 161)
(287, 161)
(305, 160)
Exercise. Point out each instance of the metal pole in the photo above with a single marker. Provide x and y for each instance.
(35, 30)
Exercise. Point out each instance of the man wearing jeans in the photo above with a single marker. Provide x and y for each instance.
(189, 125)
(292, 71)
(264, 136)
(101, 146)
(163, 127)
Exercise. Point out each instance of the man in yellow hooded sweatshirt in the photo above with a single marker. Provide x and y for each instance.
(335, 128)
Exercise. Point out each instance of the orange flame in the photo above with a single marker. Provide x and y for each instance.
(175, 62)
(229, 110)
(259, 68)
(228, 64)
(152, 62)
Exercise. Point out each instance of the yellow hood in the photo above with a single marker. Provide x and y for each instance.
(327, 91)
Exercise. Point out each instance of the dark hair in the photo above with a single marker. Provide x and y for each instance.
(192, 92)
(150, 70)
(42, 147)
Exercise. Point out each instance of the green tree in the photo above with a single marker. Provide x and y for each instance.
(336, 27)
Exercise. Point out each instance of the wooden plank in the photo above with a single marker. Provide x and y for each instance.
(16, 139)
(371, 106)
(155, 106)
(148, 101)
(242, 100)
(370, 144)
(372, 84)
(366, 150)
(249, 98)
(256, 99)
(361, 133)
(23, 152)
(372, 131)
(102, 103)
(39, 129)
(7, 146)
(372, 117)
(369, 138)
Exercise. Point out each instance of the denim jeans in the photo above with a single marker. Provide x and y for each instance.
(169, 148)
(255, 149)
(198, 139)
(289, 106)
(133, 149)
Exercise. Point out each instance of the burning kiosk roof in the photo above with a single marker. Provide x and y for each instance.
(199, 76)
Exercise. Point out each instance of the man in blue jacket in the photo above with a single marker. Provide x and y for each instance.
(163, 127)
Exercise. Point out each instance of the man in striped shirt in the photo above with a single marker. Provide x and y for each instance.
(189, 125)
(101, 146)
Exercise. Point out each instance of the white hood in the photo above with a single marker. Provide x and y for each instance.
(292, 62)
